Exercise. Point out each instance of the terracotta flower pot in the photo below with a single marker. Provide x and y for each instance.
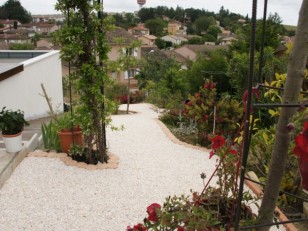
(68, 138)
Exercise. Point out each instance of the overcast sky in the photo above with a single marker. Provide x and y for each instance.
(287, 9)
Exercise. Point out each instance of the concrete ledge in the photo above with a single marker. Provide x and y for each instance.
(10, 162)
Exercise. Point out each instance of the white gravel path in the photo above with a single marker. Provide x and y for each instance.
(45, 194)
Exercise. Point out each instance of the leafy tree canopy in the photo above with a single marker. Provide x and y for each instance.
(156, 26)
(13, 9)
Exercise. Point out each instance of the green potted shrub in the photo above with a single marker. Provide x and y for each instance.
(12, 124)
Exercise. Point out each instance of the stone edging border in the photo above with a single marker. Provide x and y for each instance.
(113, 161)
(175, 140)
(253, 186)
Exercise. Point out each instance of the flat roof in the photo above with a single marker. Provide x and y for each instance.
(11, 61)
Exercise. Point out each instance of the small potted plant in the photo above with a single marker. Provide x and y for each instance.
(12, 124)
(69, 133)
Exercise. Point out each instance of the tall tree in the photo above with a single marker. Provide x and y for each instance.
(295, 76)
(203, 23)
(13, 9)
(156, 26)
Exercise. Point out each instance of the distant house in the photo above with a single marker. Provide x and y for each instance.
(227, 40)
(179, 58)
(224, 34)
(29, 33)
(241, 20)
(139, 30)
(47, 18)
(14, 38)
(41, 28)
(191, 52)
(115, 53)
(173, 27)
(148, 40)
(174, 39)
(9, 23)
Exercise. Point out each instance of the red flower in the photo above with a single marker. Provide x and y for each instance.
(139, 227)
(197, 95)
(232, 151)
(301, 143)
(305, 127)
(153, 207)
(152, 211)
(181, 228)
(217, 142)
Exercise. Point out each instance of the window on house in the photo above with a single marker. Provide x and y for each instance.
(114, 75)
(131, 73)
(131, 51)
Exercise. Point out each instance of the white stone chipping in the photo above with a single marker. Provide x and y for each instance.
(45, 194)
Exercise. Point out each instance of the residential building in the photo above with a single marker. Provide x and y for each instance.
(41, 28)
(118, 49)
(9, 23)
(14, 38)
(174, 39)
(139, 30)
(227, 40)
(191, 52)
(148, 40)
(173, 27)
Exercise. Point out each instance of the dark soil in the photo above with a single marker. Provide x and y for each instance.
(88, 159)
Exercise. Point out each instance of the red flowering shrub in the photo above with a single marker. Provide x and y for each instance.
(206, 110)
(226, 171)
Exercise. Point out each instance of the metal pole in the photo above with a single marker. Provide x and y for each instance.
(247, 116)
(103, 123)
(262, 42)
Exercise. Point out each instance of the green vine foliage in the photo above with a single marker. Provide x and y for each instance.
(83, 44)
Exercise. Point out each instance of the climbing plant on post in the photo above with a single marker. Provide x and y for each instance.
(83, 44)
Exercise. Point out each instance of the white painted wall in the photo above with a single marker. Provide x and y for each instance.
(23, 90)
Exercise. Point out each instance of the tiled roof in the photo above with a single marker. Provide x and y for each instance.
(13, 36)
(38, 25)
(172, 54)
(140, 28)
(8, 21)
(19, 31)
(205, 48)
(152, 50)
(117, 33)
(149, 36)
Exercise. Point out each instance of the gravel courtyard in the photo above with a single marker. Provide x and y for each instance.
(45, 194)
